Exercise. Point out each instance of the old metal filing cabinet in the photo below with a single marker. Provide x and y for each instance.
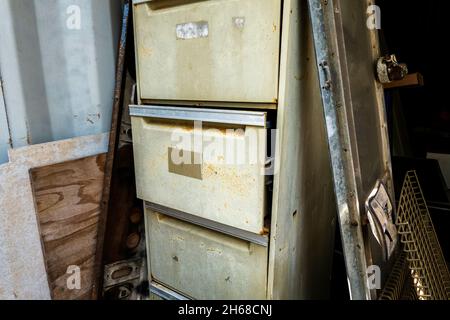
(221, 229)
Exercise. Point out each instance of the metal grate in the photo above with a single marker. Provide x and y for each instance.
(426, 263)
(399, 284)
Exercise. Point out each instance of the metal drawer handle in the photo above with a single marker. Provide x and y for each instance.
(236, 117)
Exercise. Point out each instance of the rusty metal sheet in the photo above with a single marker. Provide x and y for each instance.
(114, 137)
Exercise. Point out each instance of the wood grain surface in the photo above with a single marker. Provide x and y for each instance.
(67, 198)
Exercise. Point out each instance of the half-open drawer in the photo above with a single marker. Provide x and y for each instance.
(204, 162)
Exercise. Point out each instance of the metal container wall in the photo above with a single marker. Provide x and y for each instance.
(203, 264)
(4, 130)
(57, 62)
(225, 50)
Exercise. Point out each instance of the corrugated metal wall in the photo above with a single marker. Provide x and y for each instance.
(57, 62)
(4, 132)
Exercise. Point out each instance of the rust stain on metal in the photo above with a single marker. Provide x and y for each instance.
(146, 51)
(214, 250)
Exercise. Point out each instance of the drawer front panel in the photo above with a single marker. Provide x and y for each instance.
(216, 50)
(190, 170)
(203, 264)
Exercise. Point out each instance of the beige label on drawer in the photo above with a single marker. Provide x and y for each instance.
(192, 30)
(184, 163)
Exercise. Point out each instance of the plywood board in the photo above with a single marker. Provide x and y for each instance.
(22, 267)
(67, 197)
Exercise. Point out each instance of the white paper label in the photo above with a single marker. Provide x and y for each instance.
(192, 30)
(380, 213)
(239, 22)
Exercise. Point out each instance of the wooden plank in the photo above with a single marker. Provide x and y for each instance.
(123, 200)
(67, 198)
(110, 162)
(411, 80)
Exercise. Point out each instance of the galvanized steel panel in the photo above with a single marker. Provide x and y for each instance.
(217, 50)
(236, 117)
(203, 264)
(355, 114)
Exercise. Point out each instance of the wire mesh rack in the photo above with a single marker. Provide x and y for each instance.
(399, 285)
(420, 271)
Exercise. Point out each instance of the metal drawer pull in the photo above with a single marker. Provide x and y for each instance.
(165, 293)
(238, 117)
(262, 240)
